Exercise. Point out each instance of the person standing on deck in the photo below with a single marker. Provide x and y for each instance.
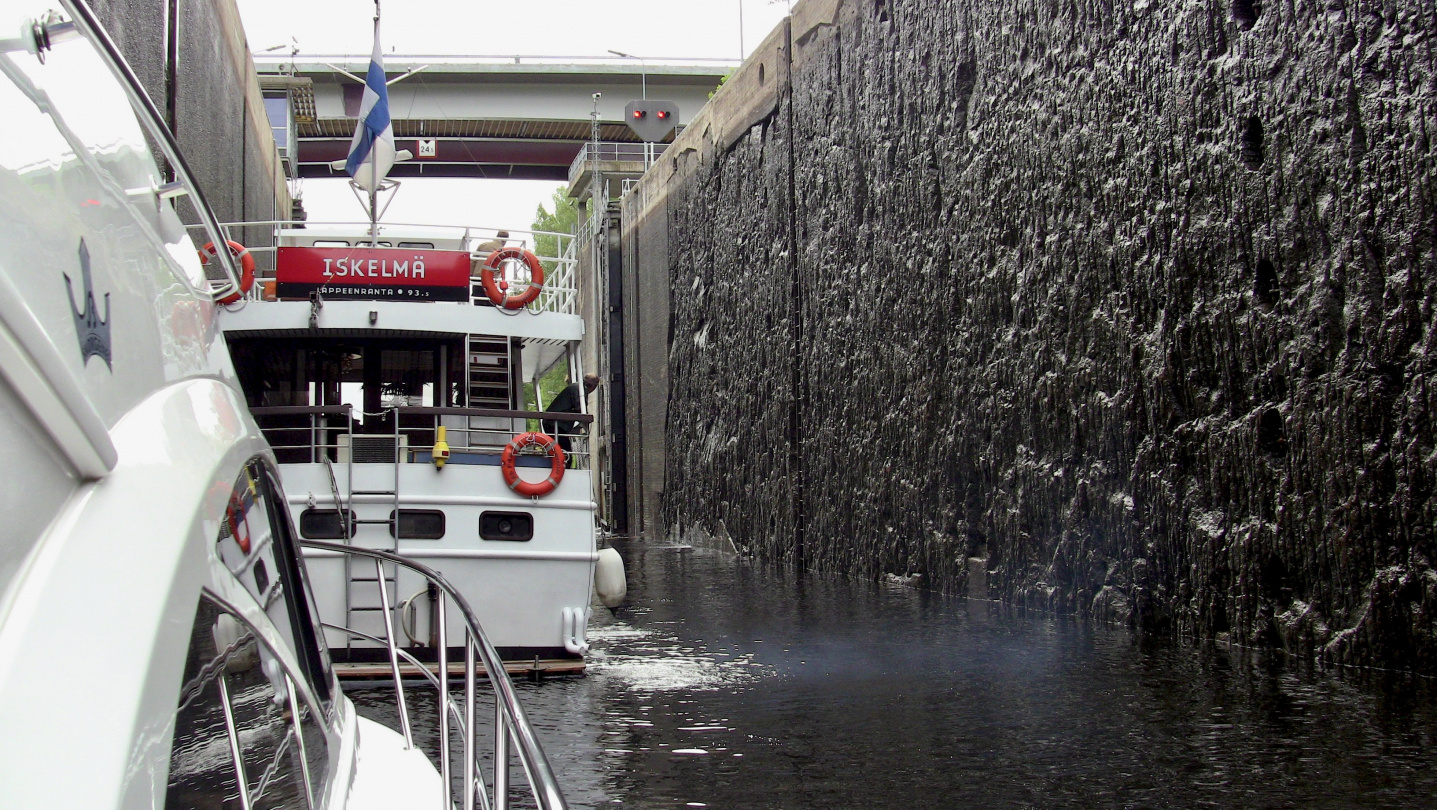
(568, 401)
(483, 249)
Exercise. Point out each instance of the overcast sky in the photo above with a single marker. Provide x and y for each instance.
(649, 28)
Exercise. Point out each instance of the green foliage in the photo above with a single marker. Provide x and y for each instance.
(563, 219)
(550, 385)
(722, 79)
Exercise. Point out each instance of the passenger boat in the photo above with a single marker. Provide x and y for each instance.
(160, 644)
(388, 369)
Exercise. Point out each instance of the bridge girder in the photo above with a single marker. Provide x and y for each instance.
(487, 120)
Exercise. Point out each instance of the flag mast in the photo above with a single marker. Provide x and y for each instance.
(371, 151)
(374, 164)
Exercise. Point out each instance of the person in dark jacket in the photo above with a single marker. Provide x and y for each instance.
(568, 401)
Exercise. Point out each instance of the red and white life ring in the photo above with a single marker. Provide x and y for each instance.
(246, 261)
(511, 454)
(500, 297)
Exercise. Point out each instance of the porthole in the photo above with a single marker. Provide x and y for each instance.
(511, 526)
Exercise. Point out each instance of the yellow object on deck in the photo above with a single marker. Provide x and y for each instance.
(441, 448)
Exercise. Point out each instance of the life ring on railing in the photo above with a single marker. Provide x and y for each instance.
(246, 261)
(498, 291)
(511, 455)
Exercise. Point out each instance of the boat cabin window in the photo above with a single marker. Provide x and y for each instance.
(417, 245)
(245, 735)
(418, 524)
(329, 243)
(324, 524)
(256, 544)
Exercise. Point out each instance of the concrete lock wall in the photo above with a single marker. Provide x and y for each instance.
(1129, 304)
(219, 115)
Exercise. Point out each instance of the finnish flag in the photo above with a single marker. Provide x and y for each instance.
(371, 153)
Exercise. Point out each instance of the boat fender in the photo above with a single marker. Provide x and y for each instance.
(609, 581)
(510, 455)
(575, 621)
(497, 290)
(246, 260)
(409, 615)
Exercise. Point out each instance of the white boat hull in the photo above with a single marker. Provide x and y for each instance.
(520, 590)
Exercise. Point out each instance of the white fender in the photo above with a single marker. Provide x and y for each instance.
(575, 622)
(609, 580)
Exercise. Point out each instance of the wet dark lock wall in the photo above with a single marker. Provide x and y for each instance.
(1129, 301)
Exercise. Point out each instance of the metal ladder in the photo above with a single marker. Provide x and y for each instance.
(358, 580)
(489, 366)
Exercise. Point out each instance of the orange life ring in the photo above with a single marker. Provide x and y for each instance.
(501, 298)
(246, 267)
(556, 468)
(235, 517)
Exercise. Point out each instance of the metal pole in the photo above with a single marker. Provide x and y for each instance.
(235, 750)
(501, 754)
(444, 764)
(294, 699)
(469, 730)
(740, 30)
(374, 168)
(393, 653)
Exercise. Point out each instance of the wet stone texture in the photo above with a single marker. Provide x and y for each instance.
(1132, 299)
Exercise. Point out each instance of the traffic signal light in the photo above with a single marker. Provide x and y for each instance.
(651, 120)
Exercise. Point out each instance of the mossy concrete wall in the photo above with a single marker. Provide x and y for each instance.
(1133, 300)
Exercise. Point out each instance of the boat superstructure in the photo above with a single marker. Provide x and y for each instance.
(368, 345)
(160, 644)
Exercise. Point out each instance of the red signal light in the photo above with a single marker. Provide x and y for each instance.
(663, 114)
(638, 114)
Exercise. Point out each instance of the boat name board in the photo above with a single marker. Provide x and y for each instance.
(345, 273)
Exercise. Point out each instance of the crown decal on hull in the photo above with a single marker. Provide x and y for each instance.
(92, 330)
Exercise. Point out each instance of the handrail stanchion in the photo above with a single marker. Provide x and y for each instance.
(393, 654)
(444, 764)
(501, 755)
(469, 689)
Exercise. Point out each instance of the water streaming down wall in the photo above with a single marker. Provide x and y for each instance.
(1132, 299)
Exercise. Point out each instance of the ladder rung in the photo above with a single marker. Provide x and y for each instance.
(369, 579)
(372, 492)
(366, 609)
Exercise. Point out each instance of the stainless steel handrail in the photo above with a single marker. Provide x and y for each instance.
(154, 123)
(510, 720)
(461, 438)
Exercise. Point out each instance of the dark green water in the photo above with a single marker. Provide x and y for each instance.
(725, 683)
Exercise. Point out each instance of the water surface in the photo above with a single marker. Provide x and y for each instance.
(726, 683)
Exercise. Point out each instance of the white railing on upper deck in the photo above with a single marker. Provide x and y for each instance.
(558, 254)
(645, 153)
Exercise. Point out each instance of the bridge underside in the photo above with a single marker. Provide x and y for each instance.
(516, 150)
(485, 117)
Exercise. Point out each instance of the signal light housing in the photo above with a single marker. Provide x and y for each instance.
(650, 119)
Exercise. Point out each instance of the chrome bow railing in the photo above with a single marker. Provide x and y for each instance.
(510, 723)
